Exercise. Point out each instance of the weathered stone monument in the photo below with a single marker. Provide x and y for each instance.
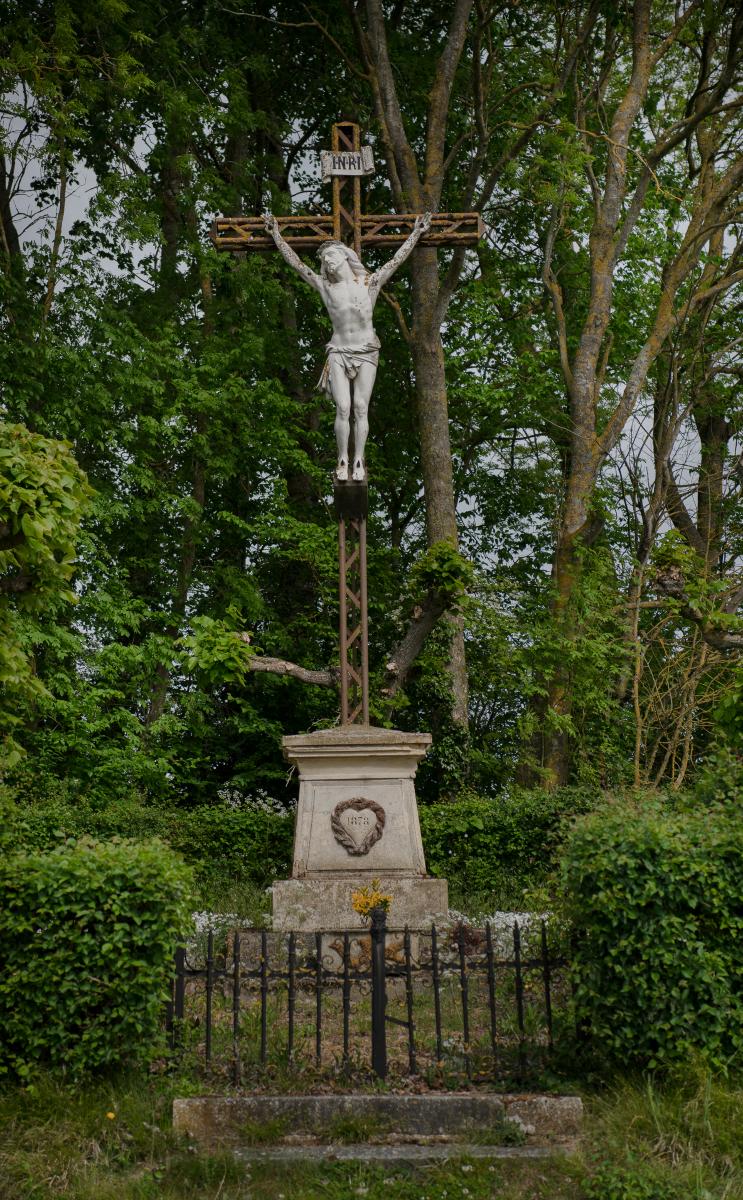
(357, 818)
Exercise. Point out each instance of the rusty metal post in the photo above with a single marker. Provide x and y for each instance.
(346, 135)
(379, 991)
(364, 621)
(351, 504)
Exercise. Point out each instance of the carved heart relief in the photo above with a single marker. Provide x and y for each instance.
(358, 824)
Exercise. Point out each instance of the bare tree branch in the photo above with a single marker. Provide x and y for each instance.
(54, 261)
(399, 662)
(405, 653)
(279, 666)
(670, 582)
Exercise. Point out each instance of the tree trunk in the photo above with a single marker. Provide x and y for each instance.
(551, 747)
(436, 461)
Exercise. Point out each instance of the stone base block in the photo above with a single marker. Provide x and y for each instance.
(215, 1120)
(324, 905)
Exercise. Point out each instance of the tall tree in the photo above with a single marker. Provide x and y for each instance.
(640, 156)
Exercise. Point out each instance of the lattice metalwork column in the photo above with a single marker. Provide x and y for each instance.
(346, 135)
(351, 508)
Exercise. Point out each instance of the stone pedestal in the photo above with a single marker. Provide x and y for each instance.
(357, 820)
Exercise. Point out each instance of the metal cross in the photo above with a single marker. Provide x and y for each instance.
(345, 164)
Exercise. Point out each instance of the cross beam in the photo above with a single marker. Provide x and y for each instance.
(248, 234)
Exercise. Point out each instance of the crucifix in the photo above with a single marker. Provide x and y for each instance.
(349, 293)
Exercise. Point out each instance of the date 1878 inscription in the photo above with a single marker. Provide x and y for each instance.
(348, 824)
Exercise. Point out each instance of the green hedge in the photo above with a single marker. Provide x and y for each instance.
(476, 843)
(242, 844)
(656, 901)
(87, 935)
(219, 842)
(45, 824)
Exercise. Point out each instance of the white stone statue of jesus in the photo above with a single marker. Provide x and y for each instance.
(349, 293)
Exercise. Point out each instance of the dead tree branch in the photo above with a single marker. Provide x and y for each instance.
(671, 583)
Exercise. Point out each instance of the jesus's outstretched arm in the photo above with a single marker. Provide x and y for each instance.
(380, 277)
(286, 252)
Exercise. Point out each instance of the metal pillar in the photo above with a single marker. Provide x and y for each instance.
(379, 991)
(346, 135)
(351, 505)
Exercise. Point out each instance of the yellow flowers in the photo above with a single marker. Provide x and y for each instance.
(367, 898)
(111, 1116)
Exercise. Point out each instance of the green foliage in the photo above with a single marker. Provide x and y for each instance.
(88, 932)
(720, 778)
(729, 715)
(673, 550)
(656, 899)
(235, 843)
(43, 495)
(442, 569)
(477, 844)
(446, 768)
(611, 1182)
(704, 591)
(217, 652)
(583, 651)
(225, 845)
(482, 846)
(183, 380)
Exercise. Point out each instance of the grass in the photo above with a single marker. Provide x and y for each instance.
(500, 1133)
(681, 1140)
(264, 1133)
(687, 1135)
(237, 896)
(355, 1128)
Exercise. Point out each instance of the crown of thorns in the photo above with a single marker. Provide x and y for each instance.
(330, 244)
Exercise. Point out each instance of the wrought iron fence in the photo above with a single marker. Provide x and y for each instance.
(445, 1004)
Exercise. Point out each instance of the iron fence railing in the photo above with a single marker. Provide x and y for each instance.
(462, 1002)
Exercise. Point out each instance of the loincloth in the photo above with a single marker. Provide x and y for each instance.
(351, 358)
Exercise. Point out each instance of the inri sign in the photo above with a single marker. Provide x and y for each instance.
(346, 162)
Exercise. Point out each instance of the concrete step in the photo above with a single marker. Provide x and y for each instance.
(408, 1153)
(508, 1121)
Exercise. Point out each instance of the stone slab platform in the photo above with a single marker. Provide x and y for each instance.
(218, 1120)
(325, 904)
(410, 1154)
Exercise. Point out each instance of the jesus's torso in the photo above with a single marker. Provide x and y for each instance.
(350, 309)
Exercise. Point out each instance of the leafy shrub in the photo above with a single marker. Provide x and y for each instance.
(87, 933)
(611, 1182)
(243, 843)
(42, 826)
(474, 842)
(239, 843)
(43, 494)
(656, 899)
